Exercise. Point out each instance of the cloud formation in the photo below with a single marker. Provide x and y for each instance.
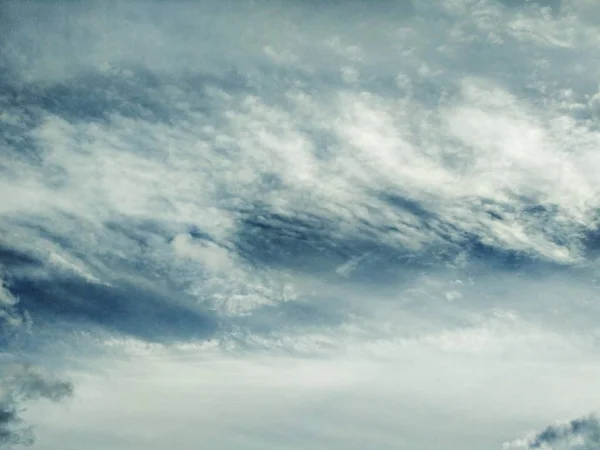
(8, 302)
(411, 185)
(20, 384)
(578, 434)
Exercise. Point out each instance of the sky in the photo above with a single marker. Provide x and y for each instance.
(317, 224)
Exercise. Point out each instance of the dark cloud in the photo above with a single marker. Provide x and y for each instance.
(34, 384)
(315, 244)
(132, 296)
(578, 434)
(10, 434)
(124, 308)
(18, 385)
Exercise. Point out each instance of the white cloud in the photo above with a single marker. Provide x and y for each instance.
(10, 318)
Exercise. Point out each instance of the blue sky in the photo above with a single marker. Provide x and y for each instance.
(325, 225)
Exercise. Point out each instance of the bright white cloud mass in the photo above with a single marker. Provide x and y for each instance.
(299, 224)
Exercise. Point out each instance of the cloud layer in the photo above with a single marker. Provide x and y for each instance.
(396, 186)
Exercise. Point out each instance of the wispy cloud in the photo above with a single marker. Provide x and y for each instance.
(396, 187)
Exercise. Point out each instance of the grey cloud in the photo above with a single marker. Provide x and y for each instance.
(10, 433)
(578, 434)
(34, 384)
(20, 384)
(123, 308)
(289, 172)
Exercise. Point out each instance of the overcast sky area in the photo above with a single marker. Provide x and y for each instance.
(307, 224)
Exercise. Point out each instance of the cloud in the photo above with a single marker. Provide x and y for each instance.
(411, 182)
(20, 384)
(578, 434)
(7, 304)
(13, 318)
